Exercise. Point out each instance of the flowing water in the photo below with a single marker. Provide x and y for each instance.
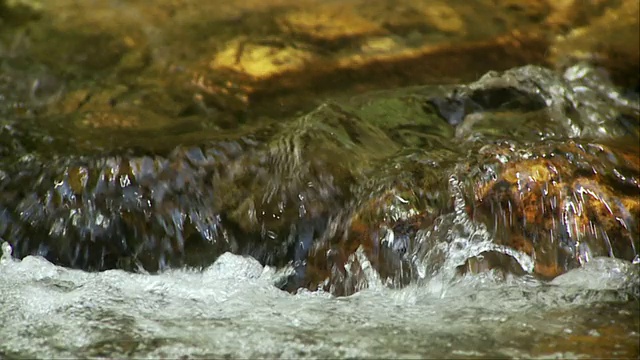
(218, 179)
(232, 309)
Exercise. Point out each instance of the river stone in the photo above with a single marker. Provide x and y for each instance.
(213, 65)
(548, 166)
(137, 140)
(610, 35)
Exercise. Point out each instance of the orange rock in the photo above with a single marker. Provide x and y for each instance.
(561, 207)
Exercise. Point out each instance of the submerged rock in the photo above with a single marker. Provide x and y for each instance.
(605, 33)
(561, 203)
(546, 167)
(213, 65)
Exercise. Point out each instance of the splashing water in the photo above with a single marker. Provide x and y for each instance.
(232, 309)
(443, 249)
(336, 178)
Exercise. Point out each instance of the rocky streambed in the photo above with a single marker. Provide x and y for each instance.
(400, 145)
(543, 164)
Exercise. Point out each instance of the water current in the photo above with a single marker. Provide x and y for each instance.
(233, 310)
(429, 265)
(319, 179)
(419, 261)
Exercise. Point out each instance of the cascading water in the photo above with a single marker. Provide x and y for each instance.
(456, 239)
(421, 222)
(233, 309)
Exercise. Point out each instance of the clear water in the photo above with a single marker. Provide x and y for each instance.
(77, 75)
(231, 309)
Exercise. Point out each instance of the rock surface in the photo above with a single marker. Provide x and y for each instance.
(166, 135)
(227, 62)
(548, 165)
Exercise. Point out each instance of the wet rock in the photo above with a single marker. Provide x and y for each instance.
(13, 12)
(605, 33)
(188, 67)
(371, 173)
(105, 213)
(261, 60)
(329, 22)
(229, 62)
(167, 137)
(566, 107)
(562, 203)
(210, 60)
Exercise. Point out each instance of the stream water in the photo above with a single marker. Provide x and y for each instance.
(233, 310)
(319, 179)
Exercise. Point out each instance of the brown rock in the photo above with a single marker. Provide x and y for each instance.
(261, 60)
(328, 22)
(558, 205)
(564, 205)
(444, 18)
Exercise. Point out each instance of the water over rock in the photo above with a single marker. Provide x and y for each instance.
(533, 162)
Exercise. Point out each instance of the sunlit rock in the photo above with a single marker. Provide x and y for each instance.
(562, 203)
(329, 22)
(261, 61)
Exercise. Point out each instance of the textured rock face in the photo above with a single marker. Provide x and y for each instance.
(541, 169)
(564, 204)
(528, 160)
(166, 135)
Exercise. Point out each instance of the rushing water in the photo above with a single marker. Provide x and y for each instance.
(410, 202)
(418, 285)
(193, 179)
(232, 309)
